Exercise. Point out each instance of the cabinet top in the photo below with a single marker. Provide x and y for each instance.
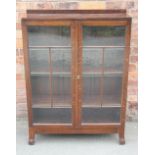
(77, 14)
(120, 11)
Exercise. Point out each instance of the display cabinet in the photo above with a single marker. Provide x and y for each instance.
(76, 67)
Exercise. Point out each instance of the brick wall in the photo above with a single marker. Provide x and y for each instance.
(130, 5)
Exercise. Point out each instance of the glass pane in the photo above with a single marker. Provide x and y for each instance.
(61, 88)
(61, 77)
(92, 60)
(102, 67)
(40, 78)
(50, 65)
(100, 115)
(103, 35)
(49, 36)
(91, 91)
(52, 115)
(39, 60)
(61, 60)
(92, 71)
(113, 60)
(112, 90)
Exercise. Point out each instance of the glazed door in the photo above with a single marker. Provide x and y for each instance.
(102, 49)
(50, 58)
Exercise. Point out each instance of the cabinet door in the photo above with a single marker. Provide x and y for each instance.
(102, 57)
(50, 58)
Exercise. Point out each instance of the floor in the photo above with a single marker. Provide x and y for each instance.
(77, 144)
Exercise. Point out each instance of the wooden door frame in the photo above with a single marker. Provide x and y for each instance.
(127, 24)
(25, 24)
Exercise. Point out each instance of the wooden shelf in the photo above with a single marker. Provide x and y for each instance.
(116, 73)
(101, 106)
(48, 105)
(40, 73)
(62, 102)
(48, 73)
(107, 73)
(36, 47)
(101, 124)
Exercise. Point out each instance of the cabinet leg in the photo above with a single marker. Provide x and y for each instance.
(121, 140)
(121, 137)
(31, 136)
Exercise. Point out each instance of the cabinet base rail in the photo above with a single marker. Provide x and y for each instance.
(47, 129)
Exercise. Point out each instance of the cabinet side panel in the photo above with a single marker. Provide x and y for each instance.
(27, 71)
(125, 77)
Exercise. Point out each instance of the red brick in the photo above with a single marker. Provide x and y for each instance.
(132, 91)
(20, 60)
(19, 43)
(133, 59)
(134, 42)
(116, 5)
(133, 75)
(20, 84)
(133, 105)
(134, 51)
(132, 98)
(91, 5)
(19, 52)
(18, 34)
(132, 67)
(21, 6)
(19, 76)
(20, 99)
(43, 5)
(19, 68)
(133, 83)
(18, 26)
(134, 31)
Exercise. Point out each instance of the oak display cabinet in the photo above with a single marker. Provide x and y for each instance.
(76, 67)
